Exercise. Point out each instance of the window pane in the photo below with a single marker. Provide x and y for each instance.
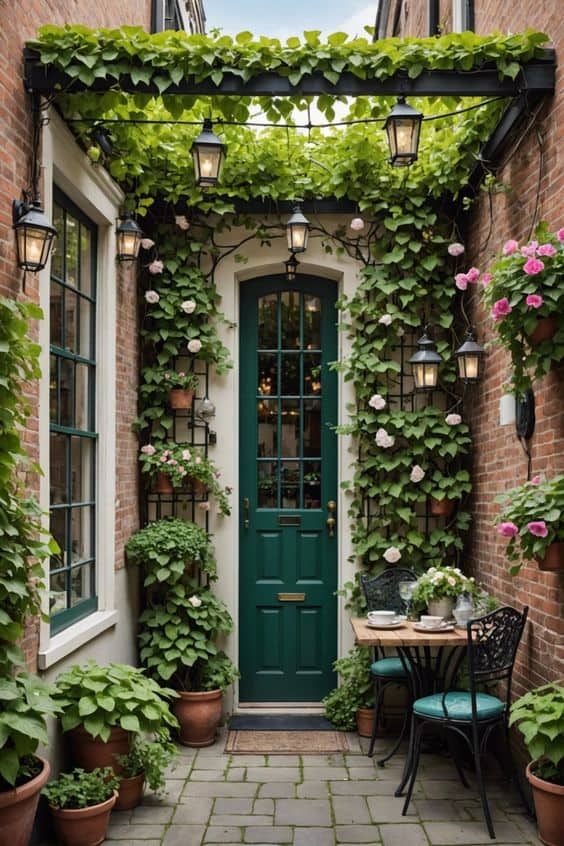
(58, 592)
(86, 346)
(267, 420)
(312, 373)
(58, 466)
(312, 484)
(81, 583)
(57, 527)
(66, 392)
(84, 410)
(312, 322)
(58, 249)
(290, 484)
(268, 322)
(53, 389)
(81, 533)
(267, 484)
(82, 478)
(71, 251)
(56, 314)
(290, 374)
(312, 427)
(70, 340)
(85, 261)
(290, 427)
(290, 316)
(267, 375)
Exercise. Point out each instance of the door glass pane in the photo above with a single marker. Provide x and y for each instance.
(85, 261)
(267, 375)
(81, 469)
(290, 478)
(290, 383)
(58, 248)
(268, 322)
(267, 484)
(81, 583)
(66, 392)
(312, 427)
(312, 484)
(312, 322)
(58, 468)
(71, 251)
(53, 390)
(83, 412)
(56, 314)
(70, 340)
(290, 318)
(290, 419)
(312, 374)
(267, 420)
(81, 534)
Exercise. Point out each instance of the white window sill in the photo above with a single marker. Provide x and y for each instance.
(74, 637)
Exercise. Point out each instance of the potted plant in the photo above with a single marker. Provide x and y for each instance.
(438, 589)
(145, 763)
(80, 804)
(103, 706)
(532, 518)
(181, 623)
(181, 388)
(445, 490)
(539, 715)
(351, 705)
(525, 294)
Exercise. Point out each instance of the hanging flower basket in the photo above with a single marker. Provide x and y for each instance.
(442, 507)
(180, 399)
(544, 330)
(553, 559)
(162, 484)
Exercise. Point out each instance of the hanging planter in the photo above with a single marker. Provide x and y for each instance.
(442, 507)
(553, 559)
(162, 484)
(544, 330)
(180, 399)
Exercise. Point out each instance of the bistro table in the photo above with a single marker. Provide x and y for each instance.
(431, 660)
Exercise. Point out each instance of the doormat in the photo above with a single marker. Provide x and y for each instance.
(279, 722)
(286, 742)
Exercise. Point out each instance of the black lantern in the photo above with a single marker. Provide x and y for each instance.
(425, 364)
(291, 268)
(129, 237)
(297, 231)
(403, 126)
(34, 235)
(469, 358)
(208, 153)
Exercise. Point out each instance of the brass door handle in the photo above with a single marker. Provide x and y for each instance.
(331, 521)
(246, 512)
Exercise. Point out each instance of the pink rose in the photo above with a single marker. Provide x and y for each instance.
(453, 419)
(455, 249)
(148, 449)
(473, 274)
(156, 266)
(486, 279)
(507, 530)
(510, 247)
(461, 281)
(538, 528)
(530, 250)
(560, 234)
(533, 266)
(500, 309)
(536, 480)
(546, 250)
(534, 300)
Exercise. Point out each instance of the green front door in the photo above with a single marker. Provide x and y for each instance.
(288, 473)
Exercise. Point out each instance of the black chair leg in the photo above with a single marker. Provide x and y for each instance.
(402, 734)
(408, 760)
(378, 698)
(414, 766)
(480, 780)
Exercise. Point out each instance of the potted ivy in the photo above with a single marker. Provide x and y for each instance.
(182, 622)
(525, 295)
(102, 707)
(145, 763)
(438, 589)
(80, 804)
(539, 715)
(351, 705)
(532, 519)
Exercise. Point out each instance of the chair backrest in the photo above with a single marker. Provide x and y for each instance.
(492, 645)
(382, 592)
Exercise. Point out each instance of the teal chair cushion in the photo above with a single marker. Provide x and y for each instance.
(388, 667)
(459, 706)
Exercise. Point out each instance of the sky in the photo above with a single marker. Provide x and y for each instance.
(282, 18)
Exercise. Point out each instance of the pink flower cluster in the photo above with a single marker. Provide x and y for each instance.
(510, 530)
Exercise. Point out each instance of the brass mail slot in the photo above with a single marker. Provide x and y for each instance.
(291, 597)
(290, 520)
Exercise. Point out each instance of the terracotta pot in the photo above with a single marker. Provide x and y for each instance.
(441, 607)
(544, 330)
(442, 507)
(199, 715)
(549, 802)
(83, 826)
(365, 721)
(199, 488)
(130, 792)
(553, 560)
(180, 398)
(162, 484)
(90, 752)
(18, 807)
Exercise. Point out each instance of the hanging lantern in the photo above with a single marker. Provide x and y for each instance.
(469, 358)
(34, 235)
(425, 364)
(208, 154)
(403, 126)
(297, 231)
(129, 237)
(291, 268)
(206, 412)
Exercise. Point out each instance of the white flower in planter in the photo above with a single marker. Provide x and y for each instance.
(392, 555)
(188, 306)
(195, 345)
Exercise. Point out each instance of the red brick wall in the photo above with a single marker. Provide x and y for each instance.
(19, 22)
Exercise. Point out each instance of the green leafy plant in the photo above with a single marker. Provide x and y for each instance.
(79, 789)
(168, 549)
(101, 697)
(355, 690)
(150, 757)
(525, 284)
(539, 716)
(531, 517)
(441, 582)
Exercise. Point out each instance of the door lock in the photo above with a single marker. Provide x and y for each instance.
(331, 521)
(246, 512)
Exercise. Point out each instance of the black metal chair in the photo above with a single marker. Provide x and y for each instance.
(382, 593)
(472, 714)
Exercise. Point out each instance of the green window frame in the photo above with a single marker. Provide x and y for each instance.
(72, 417)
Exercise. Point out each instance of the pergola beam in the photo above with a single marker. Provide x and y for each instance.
(535, 76)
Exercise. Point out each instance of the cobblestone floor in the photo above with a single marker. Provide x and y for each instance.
(320, 800)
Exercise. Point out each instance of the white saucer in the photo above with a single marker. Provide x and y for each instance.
(395, 625)
(444, 627)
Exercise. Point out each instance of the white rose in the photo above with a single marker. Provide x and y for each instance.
(455, 249)
(417, 473)
(453, 419)
(376, 401)
(194, 346)
(356, 224)
(186, 455)
(188, 306)
(392, 555)
(386, 319)
(147, 243)
(451, 580)
(182, 222)
(152, 296)
(195, 601)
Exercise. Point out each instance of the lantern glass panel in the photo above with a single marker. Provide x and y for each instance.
(297, 237)
(207, 163)
(33, 246)
(128, 245)
(469, 367)
(425, 376)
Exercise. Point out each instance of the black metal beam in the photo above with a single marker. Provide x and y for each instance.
(536, 75)
(322, 205)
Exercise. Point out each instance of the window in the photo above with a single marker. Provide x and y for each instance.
(177, 14)
(462, 15)
(72, 426)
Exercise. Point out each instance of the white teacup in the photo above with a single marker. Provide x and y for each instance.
(382, 618)
(431, 621)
